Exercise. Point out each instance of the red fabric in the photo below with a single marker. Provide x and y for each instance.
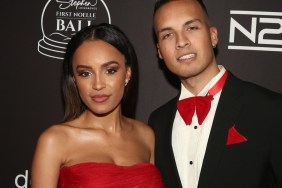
(219, 85)
(108, 175)
(187, 107)
(234, 137)
(202, 105)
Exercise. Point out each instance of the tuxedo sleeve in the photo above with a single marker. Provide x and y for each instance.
(276, 142)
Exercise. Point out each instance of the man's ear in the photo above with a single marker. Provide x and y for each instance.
(159, 52)
(214, 36)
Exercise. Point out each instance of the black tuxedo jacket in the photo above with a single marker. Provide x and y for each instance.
(256, 114)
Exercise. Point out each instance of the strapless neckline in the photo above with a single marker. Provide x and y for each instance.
(110, 175)
(107, 164)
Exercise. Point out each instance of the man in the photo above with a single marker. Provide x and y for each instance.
(236, 142)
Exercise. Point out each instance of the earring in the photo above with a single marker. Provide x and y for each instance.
(126, 82)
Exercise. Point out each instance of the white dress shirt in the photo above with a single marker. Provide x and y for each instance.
(189, 142)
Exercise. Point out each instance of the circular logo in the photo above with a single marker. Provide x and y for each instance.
(61, 19)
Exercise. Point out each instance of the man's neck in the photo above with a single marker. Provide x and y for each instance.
(196, 84)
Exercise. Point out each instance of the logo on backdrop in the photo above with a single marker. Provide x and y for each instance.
(61, 19)
(255, 30)
(22, 180)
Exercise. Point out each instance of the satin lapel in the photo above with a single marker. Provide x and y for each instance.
(171, 165)
(228, 108)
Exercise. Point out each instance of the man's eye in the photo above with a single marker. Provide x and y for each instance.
(192, 28)
(166, 36)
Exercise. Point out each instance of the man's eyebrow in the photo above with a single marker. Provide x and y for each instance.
(164, 29)
(192, 21)
(185, 24)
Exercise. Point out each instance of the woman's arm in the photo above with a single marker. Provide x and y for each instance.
(47, 159)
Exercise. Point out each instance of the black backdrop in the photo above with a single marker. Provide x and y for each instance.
(250, 46)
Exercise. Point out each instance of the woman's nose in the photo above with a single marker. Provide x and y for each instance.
(98, 83)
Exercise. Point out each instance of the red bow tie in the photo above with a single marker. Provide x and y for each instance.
(187, 107)
(201, 104)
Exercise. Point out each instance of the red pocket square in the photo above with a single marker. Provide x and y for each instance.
(234, 136)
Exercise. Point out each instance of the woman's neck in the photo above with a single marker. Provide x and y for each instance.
(111, 122)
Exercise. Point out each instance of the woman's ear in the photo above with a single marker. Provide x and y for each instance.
(128, 74)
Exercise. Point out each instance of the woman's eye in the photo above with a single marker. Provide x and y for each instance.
(111, 71)
(84, 74)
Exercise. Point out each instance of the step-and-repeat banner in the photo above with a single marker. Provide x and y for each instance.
(34, 36)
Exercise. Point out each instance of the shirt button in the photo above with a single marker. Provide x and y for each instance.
(190, 162)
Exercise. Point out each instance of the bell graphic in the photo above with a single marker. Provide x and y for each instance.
(61, 19)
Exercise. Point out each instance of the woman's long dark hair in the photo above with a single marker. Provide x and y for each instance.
(114, 36)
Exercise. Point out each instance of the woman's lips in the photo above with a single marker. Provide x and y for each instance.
(100, 98)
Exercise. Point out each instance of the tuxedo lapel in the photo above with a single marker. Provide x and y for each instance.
(224, 119)
(161, 120)
(171, 164)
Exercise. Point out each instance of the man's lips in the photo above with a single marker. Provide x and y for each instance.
(100, 98)
(186, 57)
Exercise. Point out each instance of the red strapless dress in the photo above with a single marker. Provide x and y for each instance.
(107, 175)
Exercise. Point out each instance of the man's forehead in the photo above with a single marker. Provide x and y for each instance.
(176, 13)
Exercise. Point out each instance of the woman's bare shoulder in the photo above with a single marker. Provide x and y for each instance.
(52, 145)
(55, 135)
(142, 128)
(139, 124)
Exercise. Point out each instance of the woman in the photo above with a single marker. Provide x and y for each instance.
(96, 145)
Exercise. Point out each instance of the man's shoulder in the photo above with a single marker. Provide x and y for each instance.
(253, 89)
(250, 92)
(168, 104)
(165, 109)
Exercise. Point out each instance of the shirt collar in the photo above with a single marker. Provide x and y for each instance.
(185, 93)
